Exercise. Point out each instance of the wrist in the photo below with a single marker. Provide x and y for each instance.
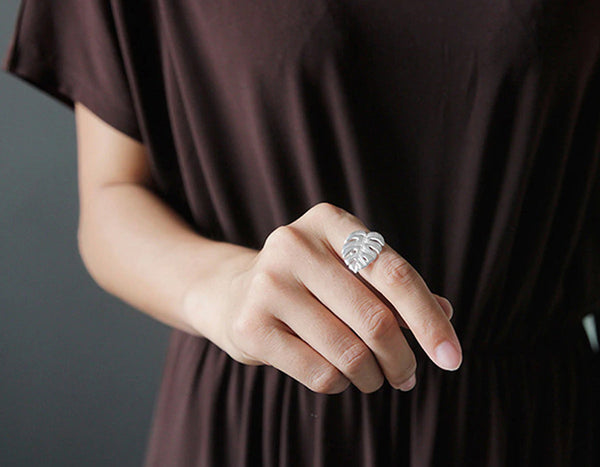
(206, 296)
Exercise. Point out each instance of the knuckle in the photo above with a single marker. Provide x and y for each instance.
(354, 357)
(325, 211)
(325, 208)
(248, 327)
(284, 246)
(378, 321)
(328, 381)
(243, 328)
(264, 282)
(283, 237)
(397, 271)
(244, 357)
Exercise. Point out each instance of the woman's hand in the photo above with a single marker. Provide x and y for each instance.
(295, 305)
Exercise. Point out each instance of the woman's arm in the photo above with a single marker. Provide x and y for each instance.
(293, 305)
(132, 244)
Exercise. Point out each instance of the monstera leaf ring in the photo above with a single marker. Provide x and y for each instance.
(361, 249)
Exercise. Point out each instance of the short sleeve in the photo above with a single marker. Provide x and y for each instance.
(71, 50)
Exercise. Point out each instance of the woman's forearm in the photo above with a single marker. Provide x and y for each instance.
(137, 248)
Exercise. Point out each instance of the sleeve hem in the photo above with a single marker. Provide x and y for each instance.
(37, 75)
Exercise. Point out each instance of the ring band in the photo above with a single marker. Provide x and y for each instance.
(361, 249)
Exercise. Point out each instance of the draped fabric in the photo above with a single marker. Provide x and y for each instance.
(466, 132)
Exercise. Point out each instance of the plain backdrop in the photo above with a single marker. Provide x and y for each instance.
(79, 369)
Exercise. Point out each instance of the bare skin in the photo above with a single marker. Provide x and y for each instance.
(293, 304)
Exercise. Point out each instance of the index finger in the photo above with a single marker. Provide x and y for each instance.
(401, 284)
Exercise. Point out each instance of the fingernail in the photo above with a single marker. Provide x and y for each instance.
(447, 356)
(409, 383)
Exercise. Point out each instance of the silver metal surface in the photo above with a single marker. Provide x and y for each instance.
(361, 249)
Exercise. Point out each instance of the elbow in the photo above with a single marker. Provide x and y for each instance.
(86, 253)
(82, 248)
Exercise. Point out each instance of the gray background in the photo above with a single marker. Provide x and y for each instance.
(79, 369)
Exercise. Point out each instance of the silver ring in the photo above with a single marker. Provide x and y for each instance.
(361, 249)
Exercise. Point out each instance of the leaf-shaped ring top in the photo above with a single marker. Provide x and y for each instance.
(360, 249)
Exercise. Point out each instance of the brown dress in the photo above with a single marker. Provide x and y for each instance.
(467, 132)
